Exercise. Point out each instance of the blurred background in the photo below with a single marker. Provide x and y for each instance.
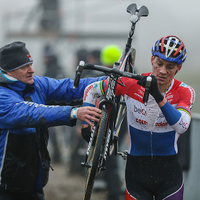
(63, 32)
(70, 25)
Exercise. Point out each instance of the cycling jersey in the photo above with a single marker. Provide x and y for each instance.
(153, 131)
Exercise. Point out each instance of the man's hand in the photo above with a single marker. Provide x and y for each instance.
(153, 90)
(88, 113)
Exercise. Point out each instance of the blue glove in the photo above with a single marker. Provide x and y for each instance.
(153, 90)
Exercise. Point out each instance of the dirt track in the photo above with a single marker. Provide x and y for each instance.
(63, 186)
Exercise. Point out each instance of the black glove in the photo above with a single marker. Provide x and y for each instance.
(153, 90)
(86, 132)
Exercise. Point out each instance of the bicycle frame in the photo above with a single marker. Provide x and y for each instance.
(107, 137)
(108, 102)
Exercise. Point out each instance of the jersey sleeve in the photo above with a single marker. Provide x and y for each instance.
(92, 93)
(179, 118)
(122, 86)
(187, 98)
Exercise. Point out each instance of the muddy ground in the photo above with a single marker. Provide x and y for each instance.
(64, 186)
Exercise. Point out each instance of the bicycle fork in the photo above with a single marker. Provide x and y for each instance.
(85, 163)
(106, 148)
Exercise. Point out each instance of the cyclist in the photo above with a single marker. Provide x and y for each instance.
(153, 169)
(25, 118)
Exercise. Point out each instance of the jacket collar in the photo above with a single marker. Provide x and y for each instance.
(22, 89)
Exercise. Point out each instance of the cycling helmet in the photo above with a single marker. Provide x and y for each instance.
(170, 48)
(110, 54)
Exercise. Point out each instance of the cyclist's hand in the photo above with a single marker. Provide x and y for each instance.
(153, 90)
(89, 114)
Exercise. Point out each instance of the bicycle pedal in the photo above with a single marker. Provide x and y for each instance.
(84, 164)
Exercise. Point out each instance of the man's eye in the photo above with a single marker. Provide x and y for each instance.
(25, 67)
(169, 68)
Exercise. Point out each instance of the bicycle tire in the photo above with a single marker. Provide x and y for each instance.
(94, 159)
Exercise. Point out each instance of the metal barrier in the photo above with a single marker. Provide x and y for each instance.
(192, 176)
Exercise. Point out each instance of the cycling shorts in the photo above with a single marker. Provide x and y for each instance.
(158, 177)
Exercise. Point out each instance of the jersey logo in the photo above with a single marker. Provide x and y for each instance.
(87, 91)
(183, 85)
(139, 110)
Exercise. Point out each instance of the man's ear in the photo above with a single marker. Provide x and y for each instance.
(10, 74)
(152, 58)
(179, 68)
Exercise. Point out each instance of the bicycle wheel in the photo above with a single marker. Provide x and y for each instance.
(96, 156)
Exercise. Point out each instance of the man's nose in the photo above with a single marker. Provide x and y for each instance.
(31, 69)
(163, 69)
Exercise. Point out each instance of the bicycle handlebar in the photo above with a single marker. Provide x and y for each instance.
(112, 70)
(147, 87)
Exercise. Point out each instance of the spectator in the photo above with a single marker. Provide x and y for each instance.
(25, 118)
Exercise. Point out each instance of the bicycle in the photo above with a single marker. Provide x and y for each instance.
(104, 135)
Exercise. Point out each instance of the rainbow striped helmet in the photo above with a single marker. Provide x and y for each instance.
(170, 48)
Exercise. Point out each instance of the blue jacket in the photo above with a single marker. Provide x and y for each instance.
(24, 158)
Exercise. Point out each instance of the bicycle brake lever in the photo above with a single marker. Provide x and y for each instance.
(79, 70)
(147, 87)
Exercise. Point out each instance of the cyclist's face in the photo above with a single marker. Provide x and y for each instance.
(163, 70)
(23, 74)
